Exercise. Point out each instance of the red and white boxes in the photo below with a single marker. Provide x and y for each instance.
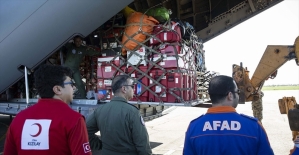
(170, 55)
(169, 86)
(169, 33)
(107, 66)
(137, 57)
(164, 68)
(169, 61)
(170, 48)
(141, 93)
(105, 72)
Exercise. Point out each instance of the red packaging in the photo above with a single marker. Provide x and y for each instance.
(171, 88)
(169, 59)
(170, 49)
(175, 87)
(104, 84)
(191, 85)
(107, 67)
(159, 89)
(170, 62)
(162, 34)
(106, 71)
(186, 85)
(140, 91)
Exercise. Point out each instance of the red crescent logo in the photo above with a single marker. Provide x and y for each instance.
(39, 129)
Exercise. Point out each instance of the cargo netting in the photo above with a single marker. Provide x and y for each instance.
(166, 61)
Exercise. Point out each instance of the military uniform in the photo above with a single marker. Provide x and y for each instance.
(74, 56)
(122, 129)
(257, 108)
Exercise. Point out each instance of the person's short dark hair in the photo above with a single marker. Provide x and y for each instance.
(47, 76)
(77, 36)
(219, 87)
(118, 82)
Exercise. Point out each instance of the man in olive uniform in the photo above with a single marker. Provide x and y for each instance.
(75, 52)
(121, 126)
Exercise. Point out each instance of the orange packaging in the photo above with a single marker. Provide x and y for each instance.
(137, 26)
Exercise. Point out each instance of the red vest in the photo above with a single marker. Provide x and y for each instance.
(48, 127)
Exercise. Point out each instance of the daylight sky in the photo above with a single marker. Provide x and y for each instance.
(247, 42)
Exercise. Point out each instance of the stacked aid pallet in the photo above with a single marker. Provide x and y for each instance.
(164, 66)
(175, 62)
(110, 60)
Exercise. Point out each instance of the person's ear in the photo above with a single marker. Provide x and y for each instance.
(230, 96)
(123, 89)
(57, 89)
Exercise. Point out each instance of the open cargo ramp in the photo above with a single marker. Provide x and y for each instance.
(31, 31)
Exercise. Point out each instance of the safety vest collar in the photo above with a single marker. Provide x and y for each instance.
(221, 109)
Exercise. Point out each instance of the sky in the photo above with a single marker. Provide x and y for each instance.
(246, 42)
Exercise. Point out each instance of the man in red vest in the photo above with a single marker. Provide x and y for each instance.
(50, 126)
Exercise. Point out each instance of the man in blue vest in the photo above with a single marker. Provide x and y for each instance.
(295, 150)
(222, 130)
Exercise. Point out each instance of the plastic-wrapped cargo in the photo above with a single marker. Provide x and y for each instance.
(170, 32)
(138, 26)
(160, 13)
(164, 66)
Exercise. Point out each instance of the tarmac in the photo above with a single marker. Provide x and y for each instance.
(167, 132)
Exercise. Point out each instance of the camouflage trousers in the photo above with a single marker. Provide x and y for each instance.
(257, 108)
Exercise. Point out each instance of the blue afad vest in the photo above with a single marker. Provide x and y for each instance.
(226, 134)
(296, 152)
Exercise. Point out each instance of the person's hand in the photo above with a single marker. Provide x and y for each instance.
(89, 48)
